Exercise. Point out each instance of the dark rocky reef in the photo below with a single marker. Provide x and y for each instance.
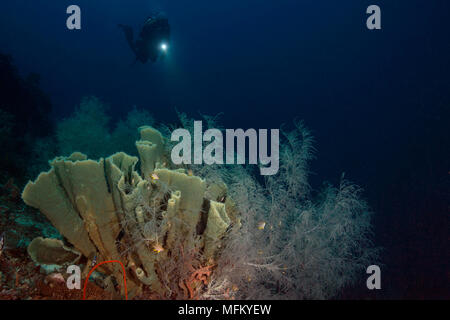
(24, 113)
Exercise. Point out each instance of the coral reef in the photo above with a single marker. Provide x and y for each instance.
(21, 279)
(159, 224)
(291, 243)
(87, 130)
(204, 231)
(20, 223)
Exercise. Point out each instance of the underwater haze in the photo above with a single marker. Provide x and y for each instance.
(364, 118)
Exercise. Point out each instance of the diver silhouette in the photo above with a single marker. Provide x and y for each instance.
(153, 38)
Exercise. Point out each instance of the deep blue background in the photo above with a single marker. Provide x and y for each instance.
(377, 101)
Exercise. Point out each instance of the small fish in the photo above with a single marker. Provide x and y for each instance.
(154, 176)
(94, 261)
(261, 225)
(157, 248)
(222, 199)
(2, 243)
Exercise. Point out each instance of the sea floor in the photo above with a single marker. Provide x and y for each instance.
(20, 278)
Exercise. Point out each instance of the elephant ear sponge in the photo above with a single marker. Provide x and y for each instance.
(150, 148)
(44, 251)
(107, 210)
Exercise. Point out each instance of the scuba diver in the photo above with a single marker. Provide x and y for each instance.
(153, 39)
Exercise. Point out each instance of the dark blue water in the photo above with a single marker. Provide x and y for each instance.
(376, 101)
